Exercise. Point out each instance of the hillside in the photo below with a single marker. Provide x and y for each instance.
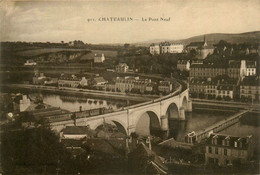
(249, 37)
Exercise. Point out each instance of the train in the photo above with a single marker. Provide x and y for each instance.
(76, 115)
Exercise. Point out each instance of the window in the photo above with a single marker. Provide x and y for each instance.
(210, 149)
(225, 152)
(216, 150)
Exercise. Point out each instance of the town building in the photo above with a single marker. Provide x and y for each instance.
(225, 150)
(99, 81)
(211, 88)
(110, 86)
(183, 65)
(39, 79)
(250, 88)
(250, 68)
(225, 91)
(141, 84)
(150, 87)
(202, 48)
(69, 81)
(83, 82)
(207, 70)
(99, 58)
(125, 84)
(122, 67)
(154, 49)
(165, 86)
(236, 69)
(21, 103)
(198, 87)
(166, 47)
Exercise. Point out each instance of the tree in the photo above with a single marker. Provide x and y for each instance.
(126, 45)
(32, 150)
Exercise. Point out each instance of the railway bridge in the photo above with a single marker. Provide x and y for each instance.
(158, 112)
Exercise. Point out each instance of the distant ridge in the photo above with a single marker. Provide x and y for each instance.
(213, 38)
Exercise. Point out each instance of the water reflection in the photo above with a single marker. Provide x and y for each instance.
(73, 103)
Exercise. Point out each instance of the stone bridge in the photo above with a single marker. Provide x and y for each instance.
(159, 111)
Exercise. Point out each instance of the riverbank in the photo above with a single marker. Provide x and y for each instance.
(84, 92)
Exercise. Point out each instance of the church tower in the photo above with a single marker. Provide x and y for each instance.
(204, 42)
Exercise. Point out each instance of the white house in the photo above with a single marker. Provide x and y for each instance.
(30, 63)
(154, 49)
(183, 65)
(99, 58)
(83, 82)
(122, 67)
(250, 68)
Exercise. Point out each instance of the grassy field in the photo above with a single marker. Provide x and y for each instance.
(36, 52)
(107, 53)
(89, 56)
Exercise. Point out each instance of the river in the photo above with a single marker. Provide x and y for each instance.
(73, 103)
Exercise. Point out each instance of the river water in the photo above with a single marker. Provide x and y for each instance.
(195, 121)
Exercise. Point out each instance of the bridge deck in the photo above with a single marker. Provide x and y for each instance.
(220, 125)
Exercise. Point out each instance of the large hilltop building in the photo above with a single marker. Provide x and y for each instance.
(166, 47)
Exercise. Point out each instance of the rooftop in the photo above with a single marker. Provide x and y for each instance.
(79, 130)
(234, 142)
(251, 81)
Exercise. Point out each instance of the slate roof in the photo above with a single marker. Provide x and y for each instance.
(196, 44)
(232, 139)
(79, 130)
(251, 81)
(99, 79)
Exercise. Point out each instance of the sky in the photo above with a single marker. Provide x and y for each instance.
(57, 21)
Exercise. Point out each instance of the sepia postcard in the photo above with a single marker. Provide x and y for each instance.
(129, 87)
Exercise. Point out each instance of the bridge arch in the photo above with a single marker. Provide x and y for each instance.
(121, 127)
(148, 123)
(172, 111)
(184, 103)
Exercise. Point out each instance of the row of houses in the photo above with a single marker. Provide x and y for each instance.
(225, 87)
(135, 84)
(234, 69)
